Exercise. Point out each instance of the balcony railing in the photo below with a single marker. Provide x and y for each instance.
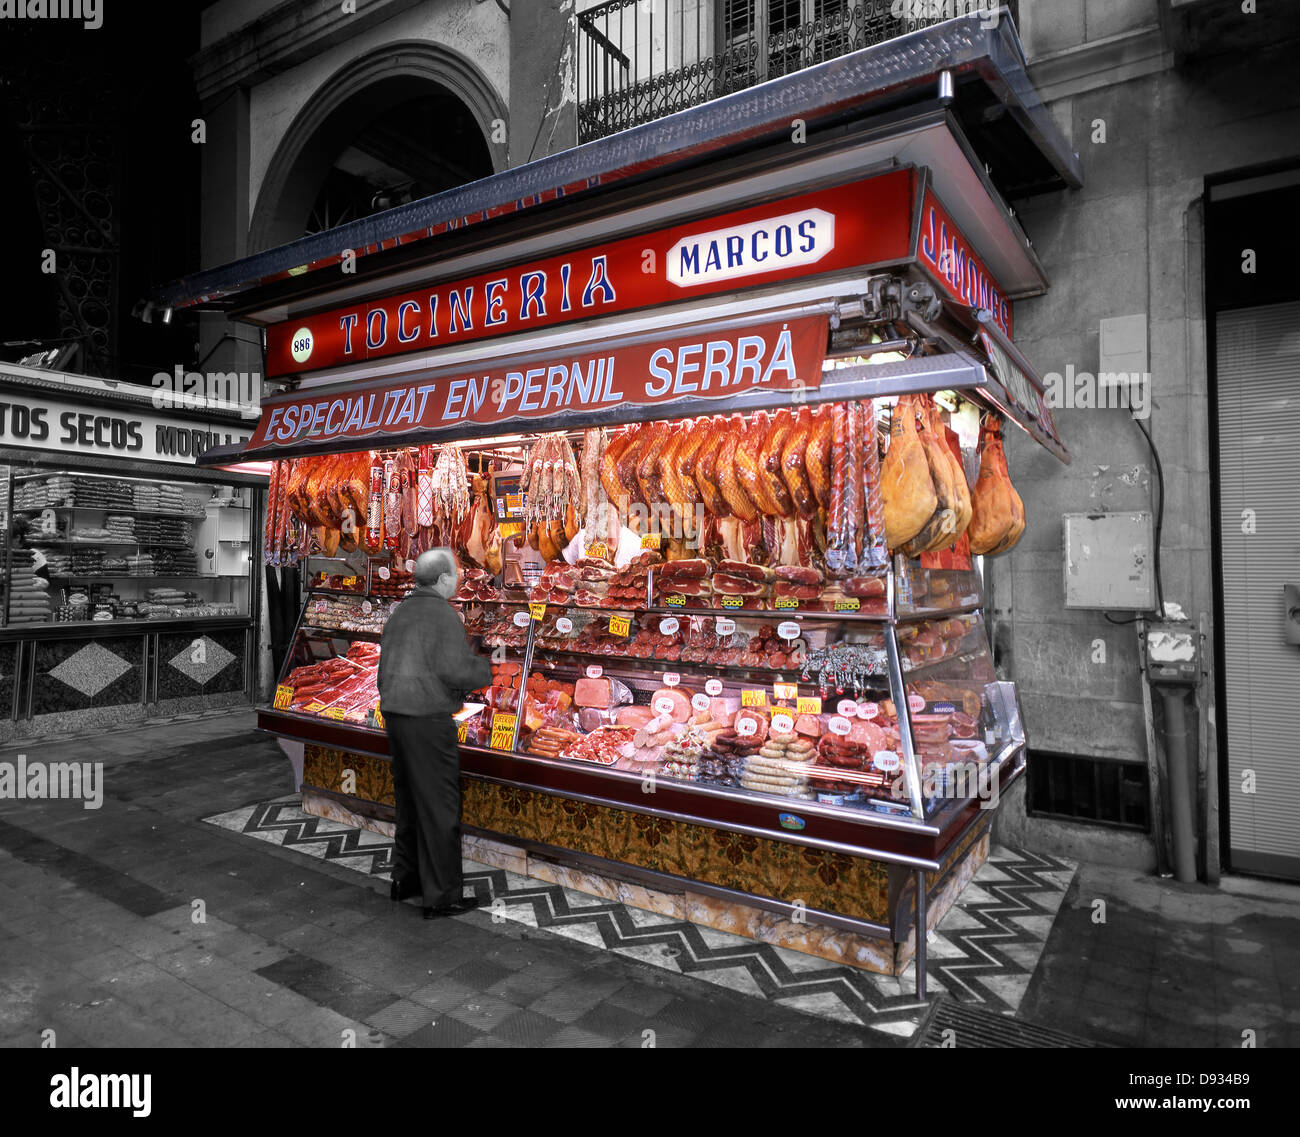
(639, 60)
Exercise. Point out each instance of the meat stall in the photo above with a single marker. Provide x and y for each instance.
(713, 422)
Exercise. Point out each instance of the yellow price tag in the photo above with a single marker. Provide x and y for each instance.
(650, 541)
(852, 604)
(509, 529)
(335, 713)
(676, 600)
(753, 697)
(314, 707)
(462, 730)
(786, 602)
(379, 719)
(349, 582)
(808, 705)
(733, 601)
(620, 626)
(599, 550)
(785, 691)
(283, 697)
(503, 731)
(537, 611)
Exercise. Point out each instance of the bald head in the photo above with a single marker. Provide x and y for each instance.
(437, 569)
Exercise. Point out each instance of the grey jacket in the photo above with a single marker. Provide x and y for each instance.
(425, 662)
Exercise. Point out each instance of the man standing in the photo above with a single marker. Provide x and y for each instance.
(425, 668)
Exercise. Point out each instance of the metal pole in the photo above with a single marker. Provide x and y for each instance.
(919, 956)
(1180, 792)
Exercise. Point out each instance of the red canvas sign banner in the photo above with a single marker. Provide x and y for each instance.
(779, 355)
(867, 222)
(952, 261)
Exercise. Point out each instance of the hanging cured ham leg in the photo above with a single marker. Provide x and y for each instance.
(906, 488)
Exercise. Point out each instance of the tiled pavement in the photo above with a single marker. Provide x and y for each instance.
(137, 924)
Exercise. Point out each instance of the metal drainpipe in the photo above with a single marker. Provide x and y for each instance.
(1180, 790)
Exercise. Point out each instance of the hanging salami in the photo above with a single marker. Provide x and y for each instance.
(424, 487)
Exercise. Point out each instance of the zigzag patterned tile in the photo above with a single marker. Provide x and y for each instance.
(982, 952)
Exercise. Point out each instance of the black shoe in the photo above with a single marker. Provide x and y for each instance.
(465, 904)
(406, 886)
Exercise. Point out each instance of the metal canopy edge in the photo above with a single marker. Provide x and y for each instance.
(850, 87)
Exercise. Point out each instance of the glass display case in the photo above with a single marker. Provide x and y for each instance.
(855, 712)
(87, 548)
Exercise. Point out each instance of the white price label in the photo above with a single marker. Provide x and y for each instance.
(725, 627)
(668, 626)
(915, 704)
(788, 630)
(522, 619)
(664, 705)
(700, 702)
(594, 671)
(782, 724)
(564, 625)
(671, 678)
(410, 566)
(868, 711)
(322, 606)
(840, 725)
(713, 686)
(746, 728)
(886, 760)
(366, 607)
(846, 707)
(384, 572)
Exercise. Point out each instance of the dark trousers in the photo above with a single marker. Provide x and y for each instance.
(426, 784)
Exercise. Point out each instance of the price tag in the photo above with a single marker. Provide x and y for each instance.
(594, 671)
(788, 630)
(840, 725)
(915, 704)
(782, 723)
(724, 626)
(650, 541)
(700, 703)
(784, 692)
(808, 705)
(786, 602)
(521, 619)
(366, 607)
(335, 713)
(868, 711)
(846, 707)
(664, 705)
(378, 716)
(410, 566)
(349, 582)
(598, 550)
(537, 611)
(675, 601)
(620, 625)
(322, 606)
(283, 697)
(713, 687)
(509, 529)
(462, 731)
(746, 728)
(322, 578)
(668, 626)
(503, 730)
(384, 572)
(852, 604)
(564, 625)
(671, 678)
(886, 760)
(314, 707)
(753, 697)
(733, 601)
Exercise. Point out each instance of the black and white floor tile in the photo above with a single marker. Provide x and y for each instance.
(983, 952)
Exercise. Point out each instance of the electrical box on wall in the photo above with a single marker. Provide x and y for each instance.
(1109, 562)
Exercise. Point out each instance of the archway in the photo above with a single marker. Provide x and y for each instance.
(402, 122)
